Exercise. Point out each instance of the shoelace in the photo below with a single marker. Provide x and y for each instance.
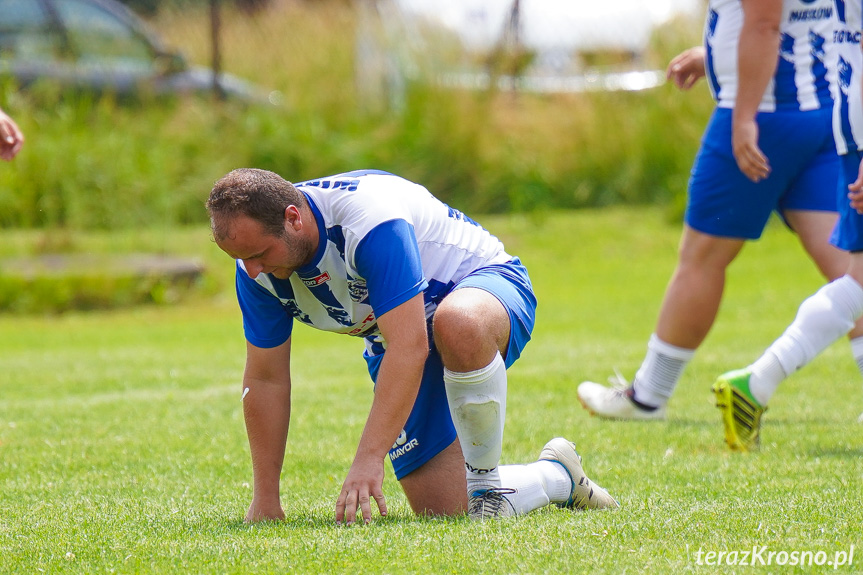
(490, 502)
(617, 381)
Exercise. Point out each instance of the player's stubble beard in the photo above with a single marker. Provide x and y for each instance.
(302, 250)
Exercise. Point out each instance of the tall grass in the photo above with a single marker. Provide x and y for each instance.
(98, 163)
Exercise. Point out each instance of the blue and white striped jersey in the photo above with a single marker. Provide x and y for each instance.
(848, 109)
(802, 80)
(383, 240)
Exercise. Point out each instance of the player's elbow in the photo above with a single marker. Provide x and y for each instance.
(414, 346)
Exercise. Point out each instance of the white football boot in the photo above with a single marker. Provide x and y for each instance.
(614, 402)
(585, 493)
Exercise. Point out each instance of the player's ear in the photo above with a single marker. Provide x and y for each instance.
(293, 220)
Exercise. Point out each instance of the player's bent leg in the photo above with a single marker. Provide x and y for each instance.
(814, 229)
(470, 327)
(438, 487)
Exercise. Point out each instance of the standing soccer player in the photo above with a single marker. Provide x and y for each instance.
(827, 315)
(768, 147)
(443, 309)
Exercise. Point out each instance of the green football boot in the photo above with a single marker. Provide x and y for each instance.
(741, 413)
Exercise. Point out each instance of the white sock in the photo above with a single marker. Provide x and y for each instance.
(537, 484)
(530, 492)
(659, 372)
(555, 479)
(857, 351)
(767, 373)
(823, 318)
(477, 404)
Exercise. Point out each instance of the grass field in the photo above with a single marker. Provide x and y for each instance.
(122, 446)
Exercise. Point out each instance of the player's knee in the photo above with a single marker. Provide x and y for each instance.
(457, 329)
(823, 317)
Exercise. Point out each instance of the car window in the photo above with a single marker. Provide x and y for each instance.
(26, 32)
(101, 39)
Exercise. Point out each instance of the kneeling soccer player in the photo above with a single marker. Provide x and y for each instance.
(443, 309)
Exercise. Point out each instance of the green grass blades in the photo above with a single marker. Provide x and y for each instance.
(122, 445)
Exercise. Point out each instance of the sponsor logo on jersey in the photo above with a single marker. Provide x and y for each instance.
(402, 445)
(349, 185)
(364, 326)
(316, 281)
(846, 37)
(358, 290)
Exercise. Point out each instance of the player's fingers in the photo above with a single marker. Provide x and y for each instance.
(752, 163)
(761, 164)
(351, 507)
(340, 507)
(365, 507)
(382, 503)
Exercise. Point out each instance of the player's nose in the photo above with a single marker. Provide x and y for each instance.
(253, 268)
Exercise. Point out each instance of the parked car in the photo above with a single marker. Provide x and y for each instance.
(101, 46)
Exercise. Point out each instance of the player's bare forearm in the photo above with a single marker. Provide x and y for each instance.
(757, 48)
(396, 390)
(267, 414)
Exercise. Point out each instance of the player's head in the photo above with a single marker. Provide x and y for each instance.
(263, 220)
(258, 194)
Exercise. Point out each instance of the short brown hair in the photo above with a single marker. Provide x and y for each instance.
(258, 194)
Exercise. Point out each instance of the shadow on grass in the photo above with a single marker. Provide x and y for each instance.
(324, 522)
(838, 452)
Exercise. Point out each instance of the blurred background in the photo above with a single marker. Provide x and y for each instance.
(132, 109)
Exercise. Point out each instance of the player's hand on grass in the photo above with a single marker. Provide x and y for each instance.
(744, 144)
(855, 191)
(264, 511)
(364, 482)
(686, 68)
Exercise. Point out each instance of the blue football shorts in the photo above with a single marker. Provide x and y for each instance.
(848, 233)
(804, 168)
(429, 428)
